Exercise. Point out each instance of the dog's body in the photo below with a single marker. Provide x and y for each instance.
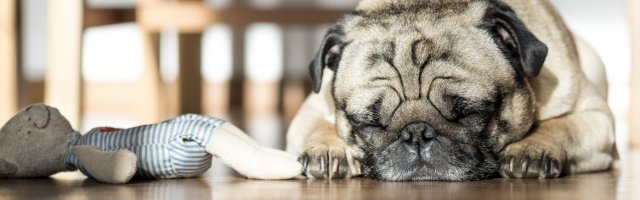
(454, 90)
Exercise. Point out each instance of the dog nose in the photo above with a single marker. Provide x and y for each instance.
(418, 132)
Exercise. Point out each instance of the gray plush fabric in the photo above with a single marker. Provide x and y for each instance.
(34, 143)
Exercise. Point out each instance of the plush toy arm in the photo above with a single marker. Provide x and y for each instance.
(240, 152)
(110, 167)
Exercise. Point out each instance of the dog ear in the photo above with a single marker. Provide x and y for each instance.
(328, 55)
(512, 31)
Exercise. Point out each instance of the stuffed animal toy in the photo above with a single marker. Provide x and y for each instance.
(39, 141)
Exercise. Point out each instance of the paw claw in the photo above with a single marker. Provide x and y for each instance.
(305, 162)
(328, 161)
(531, 159)
(322, 166)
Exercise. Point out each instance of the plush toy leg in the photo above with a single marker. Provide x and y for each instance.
(239, 151)
(110, 167)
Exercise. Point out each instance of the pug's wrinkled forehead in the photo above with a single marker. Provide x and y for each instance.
(435, 13)
(377, 5)
(420, 43)
(436, 26)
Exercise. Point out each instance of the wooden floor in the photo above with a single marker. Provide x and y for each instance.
(221, 183)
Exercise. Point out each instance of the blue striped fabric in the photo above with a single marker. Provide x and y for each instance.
(170, 149)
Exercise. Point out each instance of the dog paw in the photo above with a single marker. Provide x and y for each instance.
(532, 159)
(329, 159)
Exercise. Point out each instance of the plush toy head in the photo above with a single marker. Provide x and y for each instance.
(34, 143)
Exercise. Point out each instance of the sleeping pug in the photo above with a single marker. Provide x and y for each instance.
(453, 90)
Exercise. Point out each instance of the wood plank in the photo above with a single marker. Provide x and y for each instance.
(197, 16)
(150, 84)
(107, 98)
(99, 17)
(261, 98)
(8, 60)
(63, 77)
(294, 94)
(220, 182)
(237, 87)
(189, 59)
(216, 99)
(634, 8)
(189, 64)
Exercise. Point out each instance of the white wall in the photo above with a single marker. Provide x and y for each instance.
(34, 39)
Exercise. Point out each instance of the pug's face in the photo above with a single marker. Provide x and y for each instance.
(431, 90)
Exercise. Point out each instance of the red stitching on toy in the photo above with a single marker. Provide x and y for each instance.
(109, 129)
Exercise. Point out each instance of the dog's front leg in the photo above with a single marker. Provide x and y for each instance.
(323, 152)
(577, 142)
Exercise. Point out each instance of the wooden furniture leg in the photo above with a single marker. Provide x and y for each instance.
(63, 88)
(150, 83)
(8, 66)
(189, 50)
(190, 78)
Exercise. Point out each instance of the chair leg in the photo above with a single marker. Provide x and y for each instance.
(8, 66)
(63, 83)
(155, 108)
(150, 83)
(190, 77)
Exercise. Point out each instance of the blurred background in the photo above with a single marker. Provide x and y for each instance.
(123, 63)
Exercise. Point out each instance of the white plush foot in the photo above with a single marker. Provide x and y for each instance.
(274, 164)
(234, 148)
(110, 167)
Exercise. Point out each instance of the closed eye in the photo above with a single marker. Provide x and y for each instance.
(380, 79)
(482, 108)
(463, 107)
(359, 123)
